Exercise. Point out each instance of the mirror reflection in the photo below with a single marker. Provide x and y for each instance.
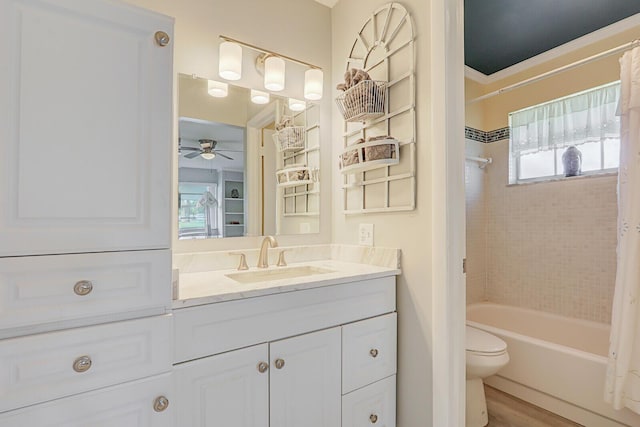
(245, 168)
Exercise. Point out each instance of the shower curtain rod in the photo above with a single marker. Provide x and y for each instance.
(548, 74)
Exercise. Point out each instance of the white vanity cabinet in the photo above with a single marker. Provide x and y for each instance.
(85, 214)
(301, 358)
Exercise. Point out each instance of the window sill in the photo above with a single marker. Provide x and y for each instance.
(563, 179)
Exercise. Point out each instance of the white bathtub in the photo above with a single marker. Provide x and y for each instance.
(557, 363)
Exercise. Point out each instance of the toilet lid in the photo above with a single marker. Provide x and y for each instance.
(483, 342)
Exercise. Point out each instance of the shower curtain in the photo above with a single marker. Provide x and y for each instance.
(623, 370)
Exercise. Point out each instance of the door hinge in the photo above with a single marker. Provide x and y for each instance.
(464, 265)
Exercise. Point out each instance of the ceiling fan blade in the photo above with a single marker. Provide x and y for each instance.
(192, 155)
(223, 155)
(190, 148)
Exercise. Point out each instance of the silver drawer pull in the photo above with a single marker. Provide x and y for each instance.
(373, 418)
(82, 364)
(262, 367)
(160, 404)
(374, 352)
(83, 287)
(279, 363)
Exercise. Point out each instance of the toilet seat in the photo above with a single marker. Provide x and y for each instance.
(483, 343)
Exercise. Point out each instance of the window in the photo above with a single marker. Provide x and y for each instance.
(541, 134)
(197, 211)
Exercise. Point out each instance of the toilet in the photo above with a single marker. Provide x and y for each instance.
(486, 354)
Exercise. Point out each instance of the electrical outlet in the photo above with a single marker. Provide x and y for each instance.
(365, 235)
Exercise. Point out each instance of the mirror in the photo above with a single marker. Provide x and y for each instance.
(245, 169)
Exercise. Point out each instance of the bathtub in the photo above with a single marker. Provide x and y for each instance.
(557, 363)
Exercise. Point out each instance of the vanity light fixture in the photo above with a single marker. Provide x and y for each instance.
(259, 97)
(297, 104)
(230, 61)
(218, 89)
(313, 84)
(274, 73)
(208, 155)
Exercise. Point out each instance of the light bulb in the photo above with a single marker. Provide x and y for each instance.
(274, 71)
(297, 105)
(230, 61)
(218, 89)
(313, 79)
(207, 155)
(259, 97)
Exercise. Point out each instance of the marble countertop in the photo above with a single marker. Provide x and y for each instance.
(206, 287)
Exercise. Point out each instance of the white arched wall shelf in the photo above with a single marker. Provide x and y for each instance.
(385, 48)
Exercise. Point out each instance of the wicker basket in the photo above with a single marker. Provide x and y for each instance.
(370, 155)
(364, 101)
(296, 175)
(289, 139)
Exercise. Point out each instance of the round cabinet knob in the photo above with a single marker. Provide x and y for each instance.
(162, 38)
(160, 404)
(262, 367)
(374, 352)
(373, 418)
(83, 287)
(82, 364)
(279, 363)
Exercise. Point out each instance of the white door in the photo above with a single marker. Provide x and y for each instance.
(227, 390)
(305, 380)
(85, 127)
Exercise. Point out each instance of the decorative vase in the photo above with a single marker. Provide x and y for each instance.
(572, 161)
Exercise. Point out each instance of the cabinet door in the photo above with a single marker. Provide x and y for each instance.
(144, 403)
(85, 127)
(305, 380)
(226, 390)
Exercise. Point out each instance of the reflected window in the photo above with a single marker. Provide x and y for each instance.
(198, 211)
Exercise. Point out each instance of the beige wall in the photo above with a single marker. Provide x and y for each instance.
(549, 246)
(267, 24)
(411, 232)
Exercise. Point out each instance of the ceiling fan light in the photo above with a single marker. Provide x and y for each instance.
(218, 89)
(207, 155)
(274, 71)
(297, 104)
(230, 61)
(313, 79)
(259, 97)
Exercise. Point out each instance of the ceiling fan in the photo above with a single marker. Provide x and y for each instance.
(206, 151)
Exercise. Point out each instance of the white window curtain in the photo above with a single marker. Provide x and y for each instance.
(588, 116)
(623, 371)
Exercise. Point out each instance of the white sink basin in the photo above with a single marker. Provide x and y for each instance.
(277, 274)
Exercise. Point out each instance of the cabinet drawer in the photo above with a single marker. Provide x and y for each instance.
(47, 289)
(373, 405)
(216, 328)
(38, 368)
(126, 405)
(368, 351)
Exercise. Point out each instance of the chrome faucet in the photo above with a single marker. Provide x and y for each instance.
(263, 257)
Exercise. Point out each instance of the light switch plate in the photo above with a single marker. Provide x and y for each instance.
(365, 235)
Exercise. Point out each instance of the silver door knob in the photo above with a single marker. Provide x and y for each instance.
(160, 404)
(374, 352)
(83, 287)
(162, 38)
(262, 367)
(82, 364)
(279, 363)
(373, 418)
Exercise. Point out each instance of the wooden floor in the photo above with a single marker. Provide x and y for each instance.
(509, 411)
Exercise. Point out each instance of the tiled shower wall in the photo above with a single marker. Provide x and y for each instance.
(550, 246)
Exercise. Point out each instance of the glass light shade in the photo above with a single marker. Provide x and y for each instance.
(274, 73)
(230, 61)
(297, 105)
(218, 89)
(208, 156)
(313, 84)
(259, 97)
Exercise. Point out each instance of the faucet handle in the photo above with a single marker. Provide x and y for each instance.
(281, 261)
(243, 261)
